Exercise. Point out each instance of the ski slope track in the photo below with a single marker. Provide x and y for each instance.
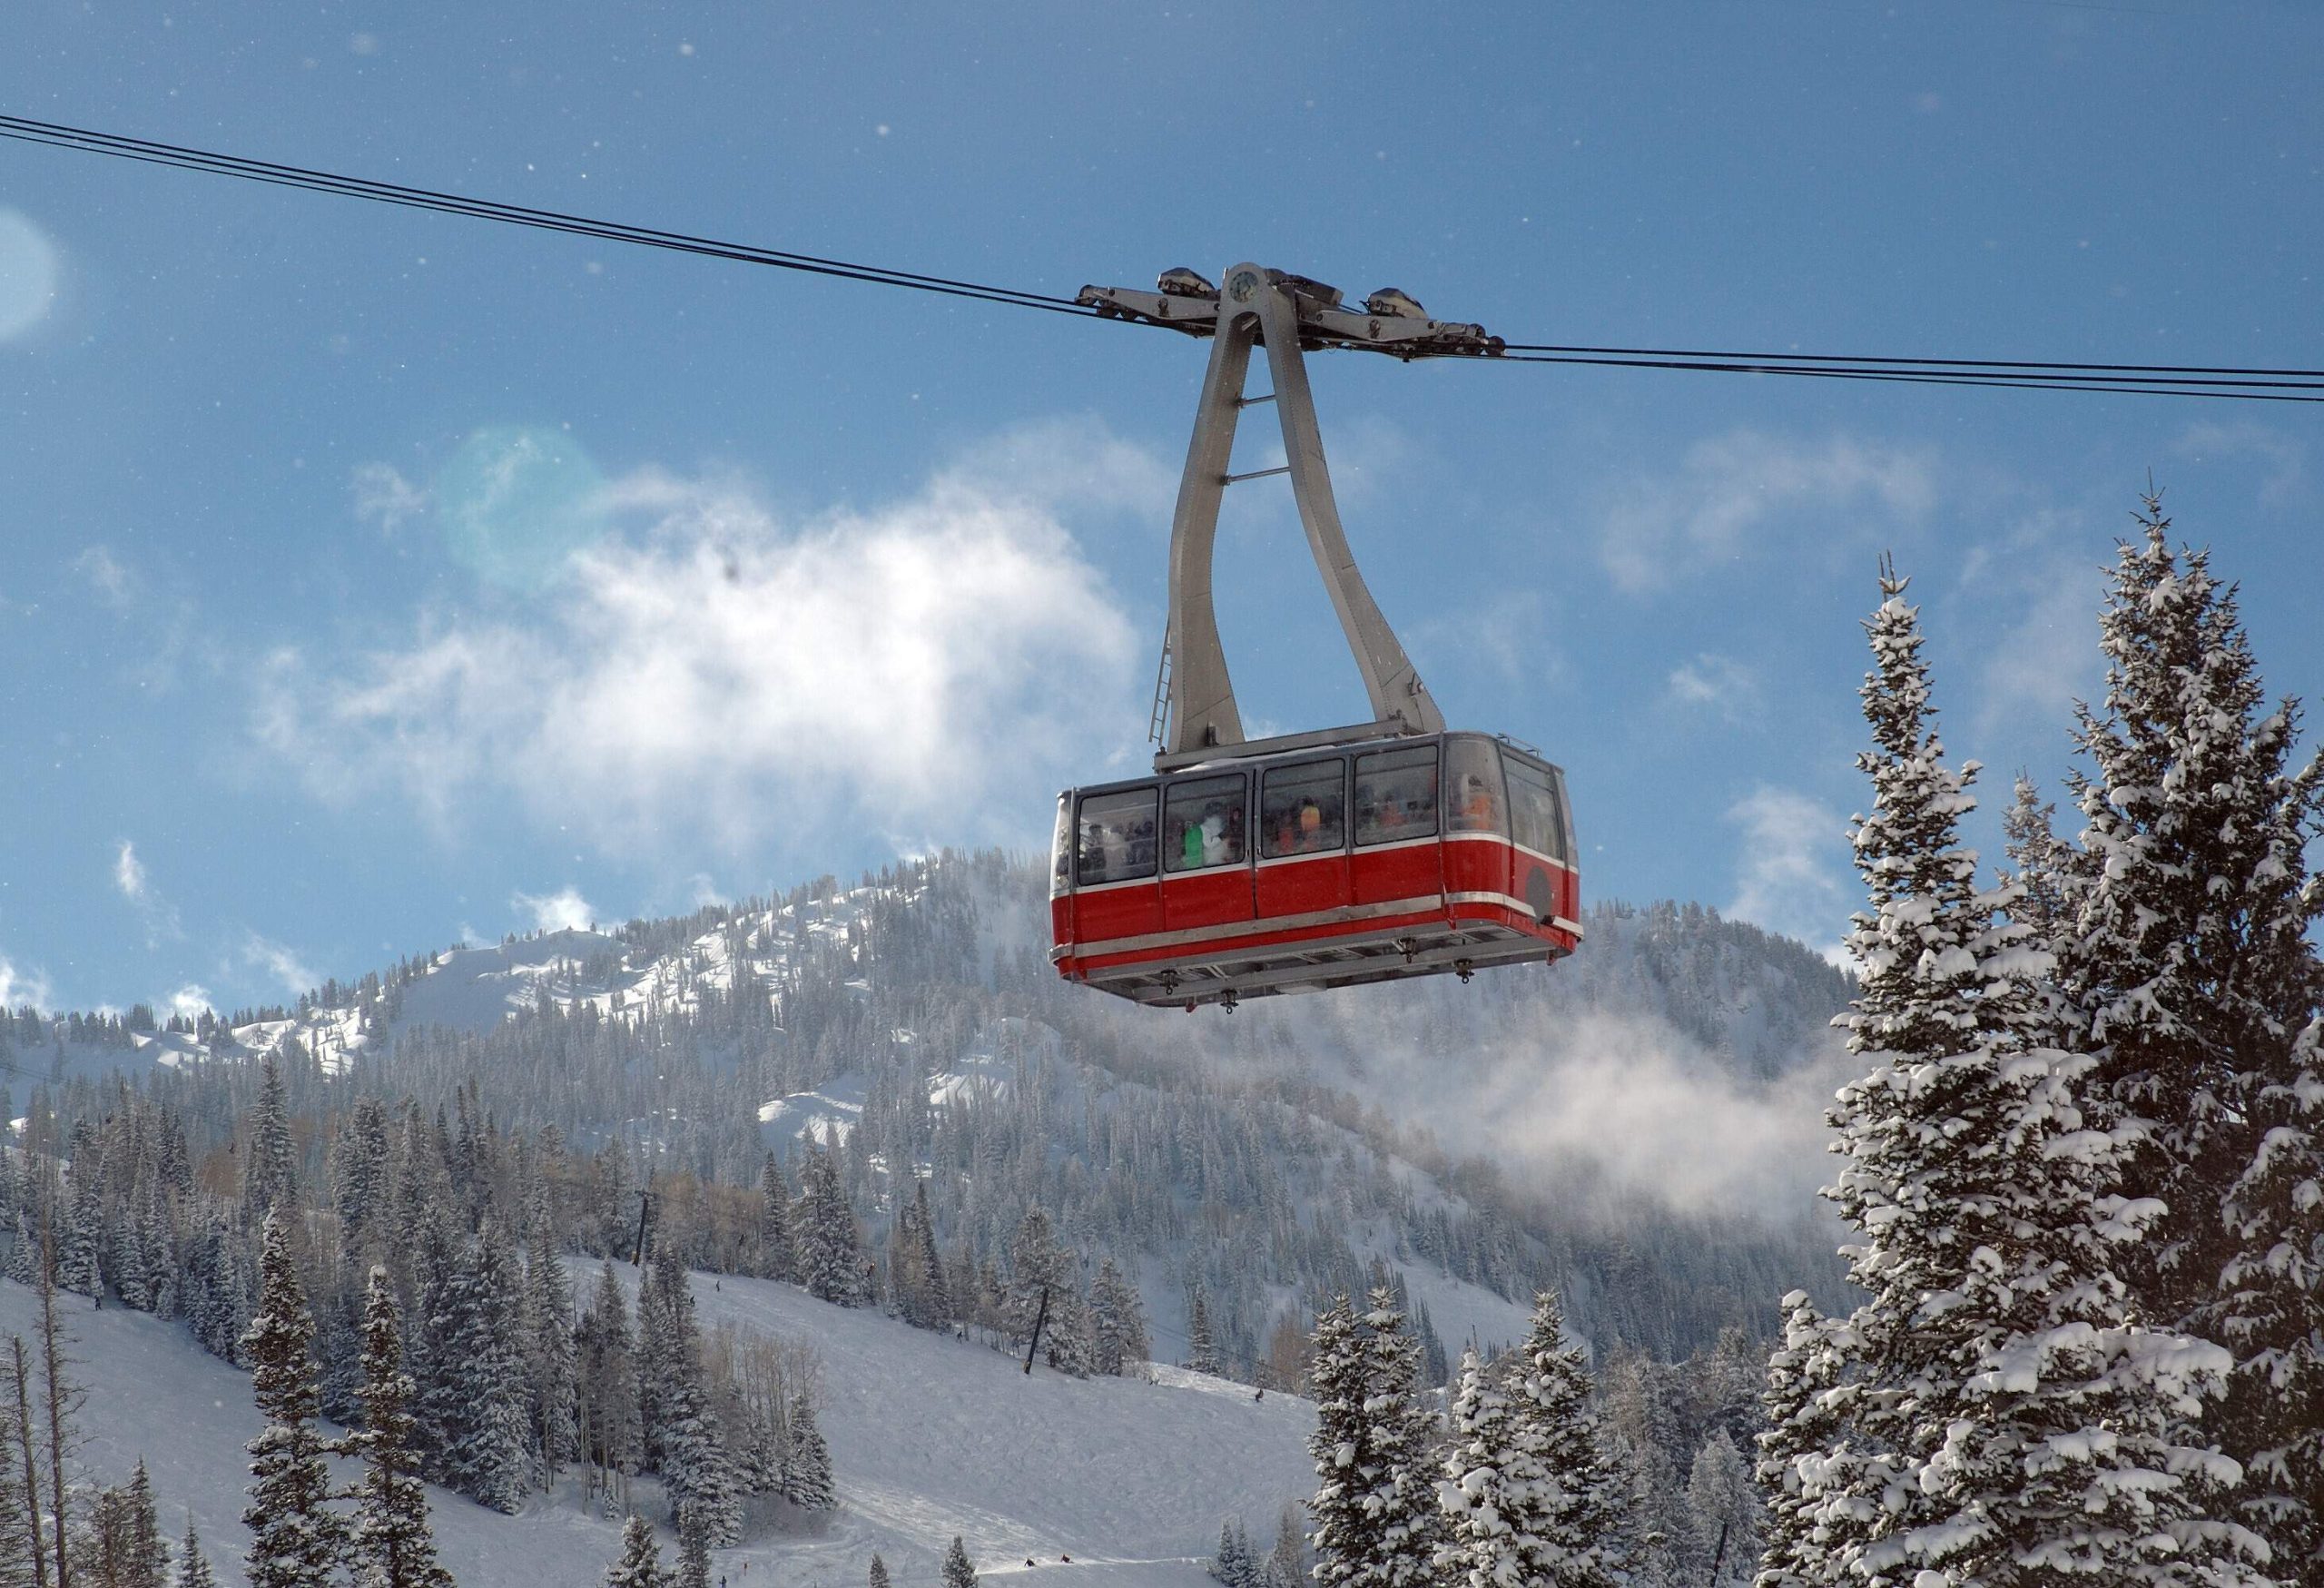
(931, 1436)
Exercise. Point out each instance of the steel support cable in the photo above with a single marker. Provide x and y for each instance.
(184, 158)
(1993, 378)
(1932, 363)
(2249, 384)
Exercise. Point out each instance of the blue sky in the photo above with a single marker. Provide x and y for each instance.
(371, 577)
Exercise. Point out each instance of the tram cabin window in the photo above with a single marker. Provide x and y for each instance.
(1116, 842)
(1395, 794)
(1303, 809)
(1536, 821)
(1473, 801)
(1202, 823)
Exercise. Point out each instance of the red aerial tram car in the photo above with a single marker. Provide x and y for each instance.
(1312, 869)
(1383, 850)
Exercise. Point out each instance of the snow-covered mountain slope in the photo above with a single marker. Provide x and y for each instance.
(931, 1436)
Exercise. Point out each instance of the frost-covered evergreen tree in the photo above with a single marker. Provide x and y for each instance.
(1997, 1418)
(1232, 1564)
(1798, 1426)
(879, 1574)
(1377, 1524)
(1202, 1350)
(1727, 1517)
(609, 1375)
(958, 1572)
(551, 1360)
(693, 1545)
(392, 1544)
(1066, 1348)
(691, 1448)
(270, 1160)
(296, 1539)
(1527, 1496)
(193, 1566)
(1117, 1343)
(829, 1245)
(777, 1257)
(2191, 957)
(639, 1565)
(807, 1460)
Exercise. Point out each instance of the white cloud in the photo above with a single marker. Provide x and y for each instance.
(2286, 457)
(31, 274)
(1735, 493)
(191, 1000)
(1787, 876)
(1716, 684)
(26, 986)
(112, 581)
(160, 916)
(564, 909)
(279, 962)
(385, 498)
(716, 671)
(705, 893)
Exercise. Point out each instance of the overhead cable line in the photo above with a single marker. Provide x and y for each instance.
(188, 159)
(2240, 383)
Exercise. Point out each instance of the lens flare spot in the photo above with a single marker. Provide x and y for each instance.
(516, 501)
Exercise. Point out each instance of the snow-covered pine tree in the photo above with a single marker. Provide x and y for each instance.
(1235, 1565)
(488, 1448)
(694, 1545)
(1066, 1346)
(958, 1572)
(639, 1565)
(1377, 1524)
(1117, 1323)
(829, 1248)
(1996, 1418)
(1798, 1426)
(1526, 1490)
(2192, 958)
(296, 1539)
(1286, 1565)
(696, 1466)
(777, 1260)
(807, 1460)
(193, 1566)
(608, 1377)
(1202, 1350)
(937, 1304)
(148, 1558)
(392, 1544)
(878, 1574)
(1729, 1525)
(551, 1361)
(271, 1161)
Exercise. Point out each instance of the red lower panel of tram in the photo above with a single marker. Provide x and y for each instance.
(1300, 923)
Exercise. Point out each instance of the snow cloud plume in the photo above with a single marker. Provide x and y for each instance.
(25, 987)
(561, 911)
(1786, 873)
(713, 669)
(158, 914)
(279, 962)
(1734, 493)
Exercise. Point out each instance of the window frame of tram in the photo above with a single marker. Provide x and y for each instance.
(1530, 821)
(1132, 868)
(1379, 766)
(1477, 796)
(1064, 853)
(1224, 798)
(1303, 781)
